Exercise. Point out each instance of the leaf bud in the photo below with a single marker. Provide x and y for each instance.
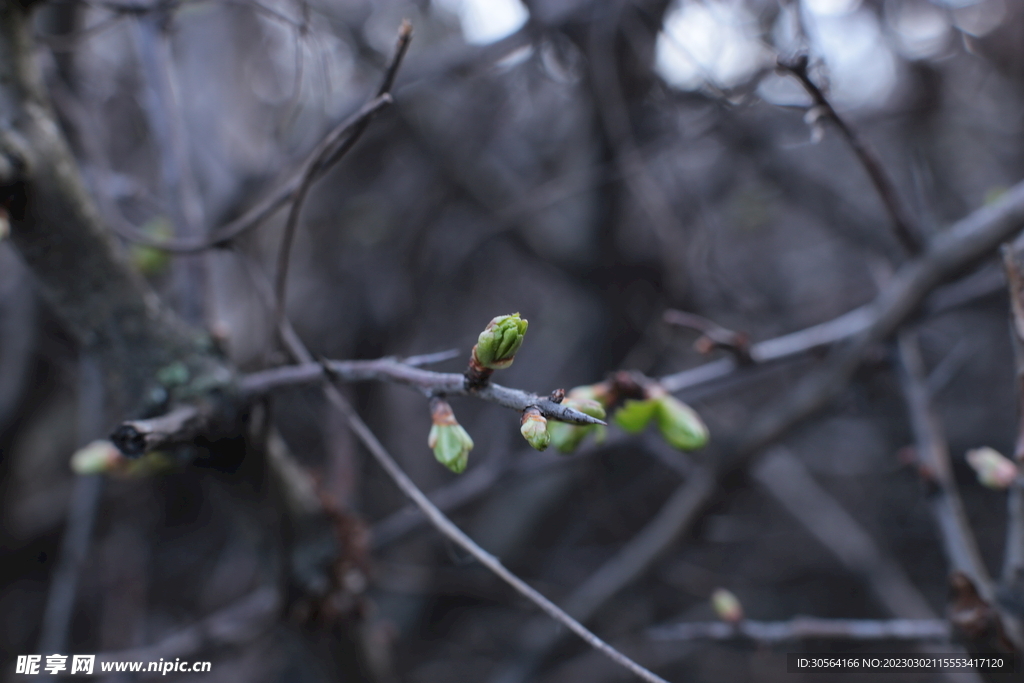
(727, 606)
(497, 345)
(994, 470)
(534, 428)
(450, 442)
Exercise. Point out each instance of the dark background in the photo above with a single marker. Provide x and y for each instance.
(558, 172)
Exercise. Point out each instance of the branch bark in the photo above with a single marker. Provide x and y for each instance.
(808, 628)
(56, 229)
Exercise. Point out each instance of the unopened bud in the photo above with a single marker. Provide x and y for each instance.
(534, 428)
(680, 424)
(567, 437)
(727, 606)
(151, 260)
(599, 393)
(98, 457)
(994, 470)
(497, 345)
(450, 442)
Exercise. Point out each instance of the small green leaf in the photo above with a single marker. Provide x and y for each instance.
(567, 437)
(634, 415)
(680, 424)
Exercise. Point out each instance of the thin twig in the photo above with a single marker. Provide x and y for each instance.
(429, 382)
(239, 622)
(714, 335)
(81, 515)
(953, 251)
(274, 199)
(164, 119)
(181, 425)
(958, 540)
(331, 154)
(448, 528)
(908, 234)
(789, 482)
(460, 491)
(807, 628)
(933, 454)
(964, 243)
(295, 346)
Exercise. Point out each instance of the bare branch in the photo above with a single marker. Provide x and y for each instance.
(181, 425)
(430, 383)
(332, 150)
(237, 623)
(787, 480)
(908, 234)
(952, 252)
(273, 200)
(963, 244)
(448, 528)
(103, 302)
(714, 335)
(965, 561)
(807, 628)
(933, 454)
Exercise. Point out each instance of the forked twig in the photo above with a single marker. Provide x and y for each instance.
(906, 231)
(331, 151)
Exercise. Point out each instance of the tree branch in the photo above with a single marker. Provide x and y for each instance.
(962, 245)
(90, 286)
(332, 150)
(908, 234)
(448, 528)
(933, 454)
(428, 382)
(952, 252)
(807, 628)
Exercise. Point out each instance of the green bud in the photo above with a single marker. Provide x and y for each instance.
(497, 345)
(567, 437)
(680, 424)
(173, 375)
(727, 606)
(587, 406)
(599, 393)
(634, 415)
(103, 457)
(150, 260)
(97, 457)
(534, 428)
(994, 470)
(450, 442)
